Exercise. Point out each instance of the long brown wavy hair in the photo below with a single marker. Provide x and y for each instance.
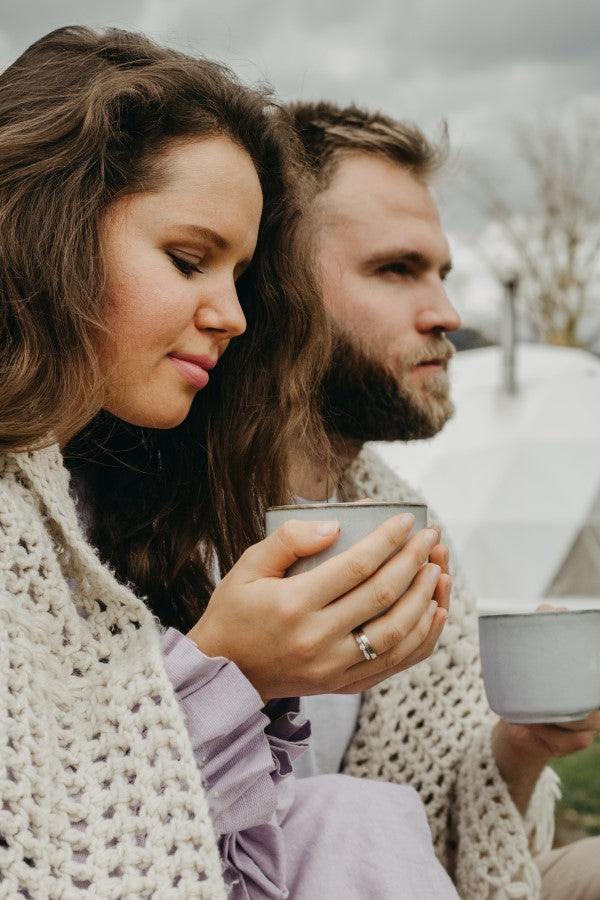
(84, 120)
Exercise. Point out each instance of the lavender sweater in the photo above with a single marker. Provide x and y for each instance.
(326, 836)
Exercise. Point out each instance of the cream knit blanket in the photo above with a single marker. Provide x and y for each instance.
(100, 794)
(430, 727)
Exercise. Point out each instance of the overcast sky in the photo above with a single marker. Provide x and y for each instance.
(471, 62)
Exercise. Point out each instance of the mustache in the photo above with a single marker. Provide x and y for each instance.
(438, 350)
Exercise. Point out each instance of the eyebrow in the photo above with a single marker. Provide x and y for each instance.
(200, 231)
(412, 257)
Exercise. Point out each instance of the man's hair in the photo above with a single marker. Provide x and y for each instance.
(329, 132)
(87, 118)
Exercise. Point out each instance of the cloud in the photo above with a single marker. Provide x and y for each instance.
(24, 21)
(423, 56)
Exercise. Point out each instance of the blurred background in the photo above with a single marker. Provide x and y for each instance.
(516, 474)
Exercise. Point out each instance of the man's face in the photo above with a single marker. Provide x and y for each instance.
(384, 258)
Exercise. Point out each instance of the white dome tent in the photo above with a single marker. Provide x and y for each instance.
(579, 572)
(516, 478)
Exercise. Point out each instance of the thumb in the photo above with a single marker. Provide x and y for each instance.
(273, 556)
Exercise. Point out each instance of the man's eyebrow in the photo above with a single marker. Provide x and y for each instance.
(411, 257)
(202, 232)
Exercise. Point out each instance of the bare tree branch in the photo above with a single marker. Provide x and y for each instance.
(553, 231)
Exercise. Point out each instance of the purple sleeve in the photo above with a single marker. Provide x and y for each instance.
(329, 835)
(243, 752)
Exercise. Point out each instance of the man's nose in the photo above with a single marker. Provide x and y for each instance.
(437, 312)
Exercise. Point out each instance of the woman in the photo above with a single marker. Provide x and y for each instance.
(149, 210)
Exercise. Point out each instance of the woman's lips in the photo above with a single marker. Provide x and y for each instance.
(194, 368)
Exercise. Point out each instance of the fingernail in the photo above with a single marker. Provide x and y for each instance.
(431, 537)
(327, 528)
(432, 607)
(407, 520)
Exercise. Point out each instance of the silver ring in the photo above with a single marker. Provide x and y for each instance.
(368, 651)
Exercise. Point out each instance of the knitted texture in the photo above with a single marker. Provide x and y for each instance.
(430, 727)
(100, 791)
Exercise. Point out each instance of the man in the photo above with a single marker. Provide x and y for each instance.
(384, 258)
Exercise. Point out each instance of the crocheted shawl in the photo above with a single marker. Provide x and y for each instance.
(99, 787)
(430, 727)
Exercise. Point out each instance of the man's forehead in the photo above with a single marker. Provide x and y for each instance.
(364, 185)
(375, 208)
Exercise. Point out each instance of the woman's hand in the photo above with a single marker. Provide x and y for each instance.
(293, 636)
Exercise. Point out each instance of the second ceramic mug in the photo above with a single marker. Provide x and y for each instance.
(542, 666)
(356, 521)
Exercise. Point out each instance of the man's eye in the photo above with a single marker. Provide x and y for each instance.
(395, 269)
(183, 265)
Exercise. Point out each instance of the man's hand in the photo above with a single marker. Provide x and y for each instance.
(522, 751)
(550, 741)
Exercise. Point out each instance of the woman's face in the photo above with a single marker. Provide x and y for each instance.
(172, 257)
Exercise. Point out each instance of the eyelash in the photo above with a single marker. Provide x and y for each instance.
(396, 269)
(404, 270)
(182, 265)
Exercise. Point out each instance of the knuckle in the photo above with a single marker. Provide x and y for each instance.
(306, 651)
(384, 594)
(393, 635)
(422, 630)
(290, 614)
(359, 566)
(318, 678)
(312, 595)
(394, 535)
(245, 557)
(321, 678)
(417, 554)
(287, 533)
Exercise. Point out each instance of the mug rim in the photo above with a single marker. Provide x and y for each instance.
(530, 614)
(341, 505)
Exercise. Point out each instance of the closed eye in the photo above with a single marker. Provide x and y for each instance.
(184, 266)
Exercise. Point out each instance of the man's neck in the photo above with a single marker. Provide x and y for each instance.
(314, 480)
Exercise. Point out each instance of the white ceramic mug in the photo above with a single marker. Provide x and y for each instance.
(356, 521)
(542, 666)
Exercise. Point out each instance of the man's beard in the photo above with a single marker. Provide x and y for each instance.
(363, 401)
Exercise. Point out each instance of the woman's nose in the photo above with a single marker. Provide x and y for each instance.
(223, 312)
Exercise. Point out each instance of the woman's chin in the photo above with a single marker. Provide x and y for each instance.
(160, 419)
